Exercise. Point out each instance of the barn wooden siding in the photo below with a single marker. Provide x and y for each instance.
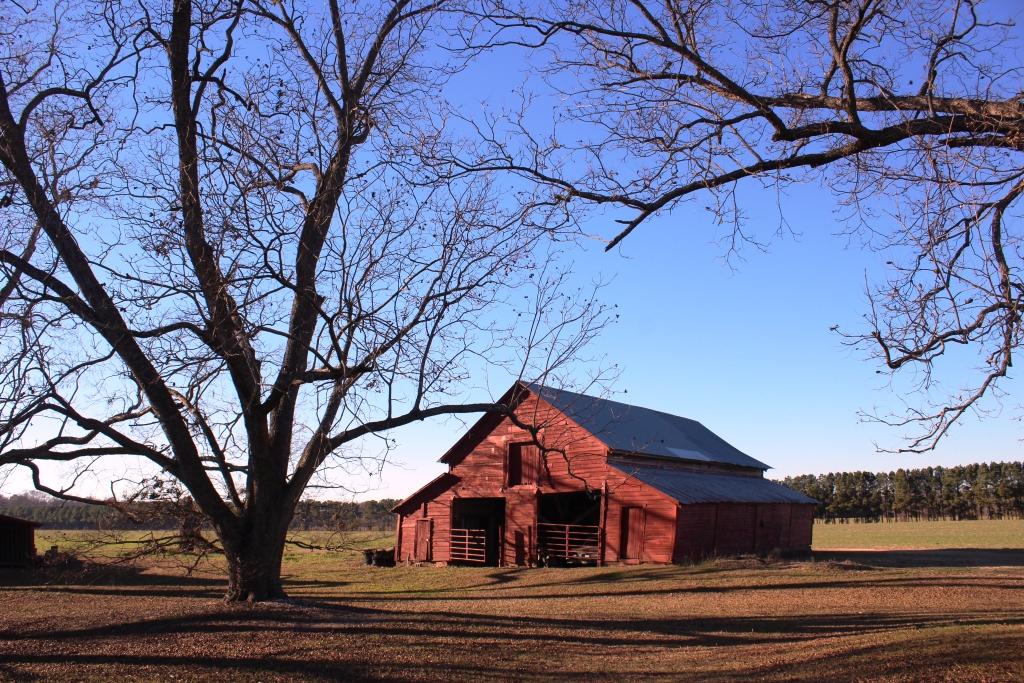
(711, 529)
(657, 513)
(17, 541)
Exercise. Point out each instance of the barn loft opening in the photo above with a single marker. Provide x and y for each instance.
(523, 464)
(578, 507)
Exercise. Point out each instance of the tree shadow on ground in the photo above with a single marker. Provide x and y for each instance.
(146, 584)
(300, 617)
(323, 640)
(406, 636)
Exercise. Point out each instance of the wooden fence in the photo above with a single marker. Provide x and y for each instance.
(469, 545)
(569, 542)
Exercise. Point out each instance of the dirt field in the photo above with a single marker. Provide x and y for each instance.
(918, 618)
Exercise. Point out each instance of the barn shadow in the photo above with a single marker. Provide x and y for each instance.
(567, 589)
(938, 557)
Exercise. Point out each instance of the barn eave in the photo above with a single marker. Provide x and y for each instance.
(429, 490)
(689, 487)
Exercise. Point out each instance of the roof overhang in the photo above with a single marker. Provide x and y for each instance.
(674, 460)
(688, 487)
(431, 489)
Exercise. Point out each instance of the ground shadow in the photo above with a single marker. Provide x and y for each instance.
(360, 635)
(142, 584)
(317, 616)
(937, 557)
(296, 635)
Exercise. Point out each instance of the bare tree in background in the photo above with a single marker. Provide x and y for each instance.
(223, 253)
(911, 113)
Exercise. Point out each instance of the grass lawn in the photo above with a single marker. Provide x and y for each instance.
(729, 620)
(988, 533)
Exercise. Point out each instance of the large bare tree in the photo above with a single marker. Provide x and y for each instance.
(231, 248)
(910, 113)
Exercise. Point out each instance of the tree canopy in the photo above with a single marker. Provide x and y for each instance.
(909, 114)
(978, 491)
(233, 249)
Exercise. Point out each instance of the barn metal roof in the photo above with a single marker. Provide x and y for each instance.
(689, 487)
(632, 429)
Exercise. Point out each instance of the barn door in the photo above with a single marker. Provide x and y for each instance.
(632, 541)
(769, 528)
(421, 547)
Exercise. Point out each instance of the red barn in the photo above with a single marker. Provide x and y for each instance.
(567, 478)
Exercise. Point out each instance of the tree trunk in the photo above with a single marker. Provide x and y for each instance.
(254, 562)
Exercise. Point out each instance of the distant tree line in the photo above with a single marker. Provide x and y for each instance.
(980, 491)
(370, 515)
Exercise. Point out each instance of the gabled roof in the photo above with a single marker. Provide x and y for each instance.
(482, 427)
(688, 487)
(632, 429)
(621, 427)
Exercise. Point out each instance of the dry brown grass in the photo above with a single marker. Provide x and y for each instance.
(731, 620)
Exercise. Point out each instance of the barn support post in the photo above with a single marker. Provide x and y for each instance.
(602, 538)
(714, 539)
(536, 520)
(789, 526)
(398, 539)
(643, 535)
(757, 528)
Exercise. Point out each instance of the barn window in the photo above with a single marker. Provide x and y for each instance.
(523, 464)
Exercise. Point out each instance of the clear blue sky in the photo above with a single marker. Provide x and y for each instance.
(744, 347)
(747, 349)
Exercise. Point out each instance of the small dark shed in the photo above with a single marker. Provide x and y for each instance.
(17, 541)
